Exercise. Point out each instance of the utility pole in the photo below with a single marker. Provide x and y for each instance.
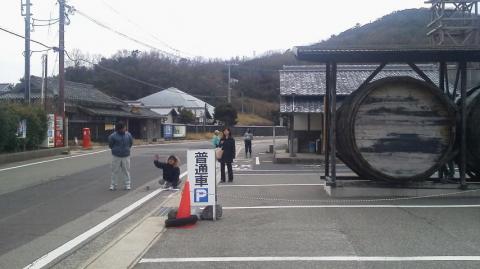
(242, 103)
(205, 118)
(27, 14)
(61, 68)
(229, 83)
(43, 97)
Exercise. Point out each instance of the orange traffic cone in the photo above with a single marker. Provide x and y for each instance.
(183, 219)
(184, 207)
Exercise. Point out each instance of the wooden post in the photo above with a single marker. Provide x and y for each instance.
(333, 109)
(327, 121)
(463, 126)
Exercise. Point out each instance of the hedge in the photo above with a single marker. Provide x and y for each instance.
(10, 116)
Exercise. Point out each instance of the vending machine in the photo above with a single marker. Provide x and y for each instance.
(49, 141)
(58, 131)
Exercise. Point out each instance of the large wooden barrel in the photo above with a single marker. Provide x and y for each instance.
(473, 133)
(396, 129)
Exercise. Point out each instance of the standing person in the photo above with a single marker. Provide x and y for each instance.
(120, 142)
(171, 172)
(227, 143)
(247, 138)
(216, 139)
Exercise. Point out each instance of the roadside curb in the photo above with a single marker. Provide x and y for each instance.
(128, 248)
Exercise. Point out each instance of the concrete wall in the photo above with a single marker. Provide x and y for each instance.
(300, 122)
(316, 123)
(29, 155)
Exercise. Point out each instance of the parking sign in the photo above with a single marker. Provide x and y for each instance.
(202, 177)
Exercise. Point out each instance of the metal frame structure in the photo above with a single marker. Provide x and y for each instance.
(442, 56)
(454, 23)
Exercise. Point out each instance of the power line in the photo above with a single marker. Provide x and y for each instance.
(132, 78)
(143, 29)
(124, 35)
(115, 72)
(21, 36)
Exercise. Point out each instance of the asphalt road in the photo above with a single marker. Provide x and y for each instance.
(280, 216)
(275, 216)
(38, 218)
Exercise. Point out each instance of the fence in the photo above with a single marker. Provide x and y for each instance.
(240, 130)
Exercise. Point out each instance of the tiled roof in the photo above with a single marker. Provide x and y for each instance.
(304, 105)
(310, 80)
(74, 92)
(126, 112)
(163, 111)
(5, 87)
(174, 98)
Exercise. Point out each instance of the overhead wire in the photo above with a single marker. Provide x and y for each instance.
(31, 40)
(114, 10)
(103, 25)
(114, 72)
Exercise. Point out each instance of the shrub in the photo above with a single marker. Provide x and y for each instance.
(10, 115)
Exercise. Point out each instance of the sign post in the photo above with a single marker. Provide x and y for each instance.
(167, 131)
(201, 166)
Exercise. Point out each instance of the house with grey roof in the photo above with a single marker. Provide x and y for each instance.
(88, 107)
(5, 87)
(169, 101)
(302, 92)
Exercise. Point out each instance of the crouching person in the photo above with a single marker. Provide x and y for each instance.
(171, 172)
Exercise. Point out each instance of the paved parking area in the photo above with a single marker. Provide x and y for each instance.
(281, 216)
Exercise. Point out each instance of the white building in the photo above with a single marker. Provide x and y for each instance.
(163, 102)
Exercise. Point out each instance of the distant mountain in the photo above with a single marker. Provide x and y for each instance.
(256, 79)
(401, 28)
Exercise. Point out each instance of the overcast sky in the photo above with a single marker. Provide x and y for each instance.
(208, 28)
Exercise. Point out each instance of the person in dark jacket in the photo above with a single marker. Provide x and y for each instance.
(171, 172)
(247, 139)
(227, 144)
(120, 142)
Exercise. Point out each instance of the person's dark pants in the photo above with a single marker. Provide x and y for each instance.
(222, 171)
(248, 147)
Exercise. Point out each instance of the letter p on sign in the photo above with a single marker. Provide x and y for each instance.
(201, 195)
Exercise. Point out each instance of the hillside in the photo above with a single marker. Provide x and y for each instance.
(401, 28)
(258, 78)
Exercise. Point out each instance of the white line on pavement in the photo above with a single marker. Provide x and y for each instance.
(53, 255)
(349, 206)
(239, 147)
(318, 258)
(257, 160)
(90, 153)
(271, 185)
(280, 174)
(52, 160)
(283, 171)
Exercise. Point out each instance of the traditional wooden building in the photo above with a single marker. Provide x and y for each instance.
(88, 107)
(302, 92)
(5, 87)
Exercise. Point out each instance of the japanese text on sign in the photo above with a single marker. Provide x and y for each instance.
(201, 169)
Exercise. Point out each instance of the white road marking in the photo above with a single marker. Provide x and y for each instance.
(50, 257)
(303, 174)
(53, 160)
(257, 160)
(238, 146)
(271, 185)
(90, 153)
(283, 171)
(318, 258)
(349, 206)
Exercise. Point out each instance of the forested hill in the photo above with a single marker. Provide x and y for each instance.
(405, 28)
(258, 78)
